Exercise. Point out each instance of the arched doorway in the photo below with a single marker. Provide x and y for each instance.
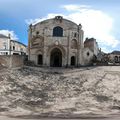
(73, 61)
(116, 59)
(40, 59)
(56, 58)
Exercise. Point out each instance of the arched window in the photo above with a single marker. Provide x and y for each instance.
(116, 59)
(40, 59)
(119, 58)
(74, 44)
(13, 47)
(57, 31)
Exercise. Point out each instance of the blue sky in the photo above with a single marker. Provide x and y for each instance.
(100, 18)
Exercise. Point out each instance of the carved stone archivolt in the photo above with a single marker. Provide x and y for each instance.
(37, 41)
(61, 48)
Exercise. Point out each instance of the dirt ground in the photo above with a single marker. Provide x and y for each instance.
(60, 92)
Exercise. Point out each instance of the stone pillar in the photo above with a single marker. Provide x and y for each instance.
(29, 40)
(9, 44)
(45, 62)
(45, 57)
(68, 49)
(80, 45)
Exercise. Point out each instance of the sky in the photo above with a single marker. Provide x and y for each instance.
(100, 19)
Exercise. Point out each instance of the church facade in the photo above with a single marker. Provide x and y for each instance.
(57, 42)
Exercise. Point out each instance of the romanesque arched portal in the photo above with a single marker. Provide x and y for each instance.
(56, 58)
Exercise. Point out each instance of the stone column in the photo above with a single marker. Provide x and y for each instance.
(80, 45)
(9, 44)
(45, 58)
(68, 49)
(44, 52)
(29, 40)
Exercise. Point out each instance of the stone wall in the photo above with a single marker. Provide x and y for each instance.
(12, 61)
(88, 56)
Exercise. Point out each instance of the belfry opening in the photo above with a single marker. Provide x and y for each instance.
(56, 58)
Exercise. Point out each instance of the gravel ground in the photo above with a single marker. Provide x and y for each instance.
(60, 92)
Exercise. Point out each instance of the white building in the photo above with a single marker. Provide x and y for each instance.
(114, 56)
(11, 47)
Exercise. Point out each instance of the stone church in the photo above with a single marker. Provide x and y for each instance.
(58, 42)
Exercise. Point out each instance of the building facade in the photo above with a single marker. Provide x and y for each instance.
(57, 42)
(17, 48)
(92, 44)
(11, 47)
(114, 57)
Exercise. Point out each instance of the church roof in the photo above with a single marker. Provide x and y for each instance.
(59, 18)
(3, 36)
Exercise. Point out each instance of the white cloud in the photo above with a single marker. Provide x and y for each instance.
(75, 8)
(7, 32)
(96, 23)
(34, 21)
(106, 50)
(37, 20)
